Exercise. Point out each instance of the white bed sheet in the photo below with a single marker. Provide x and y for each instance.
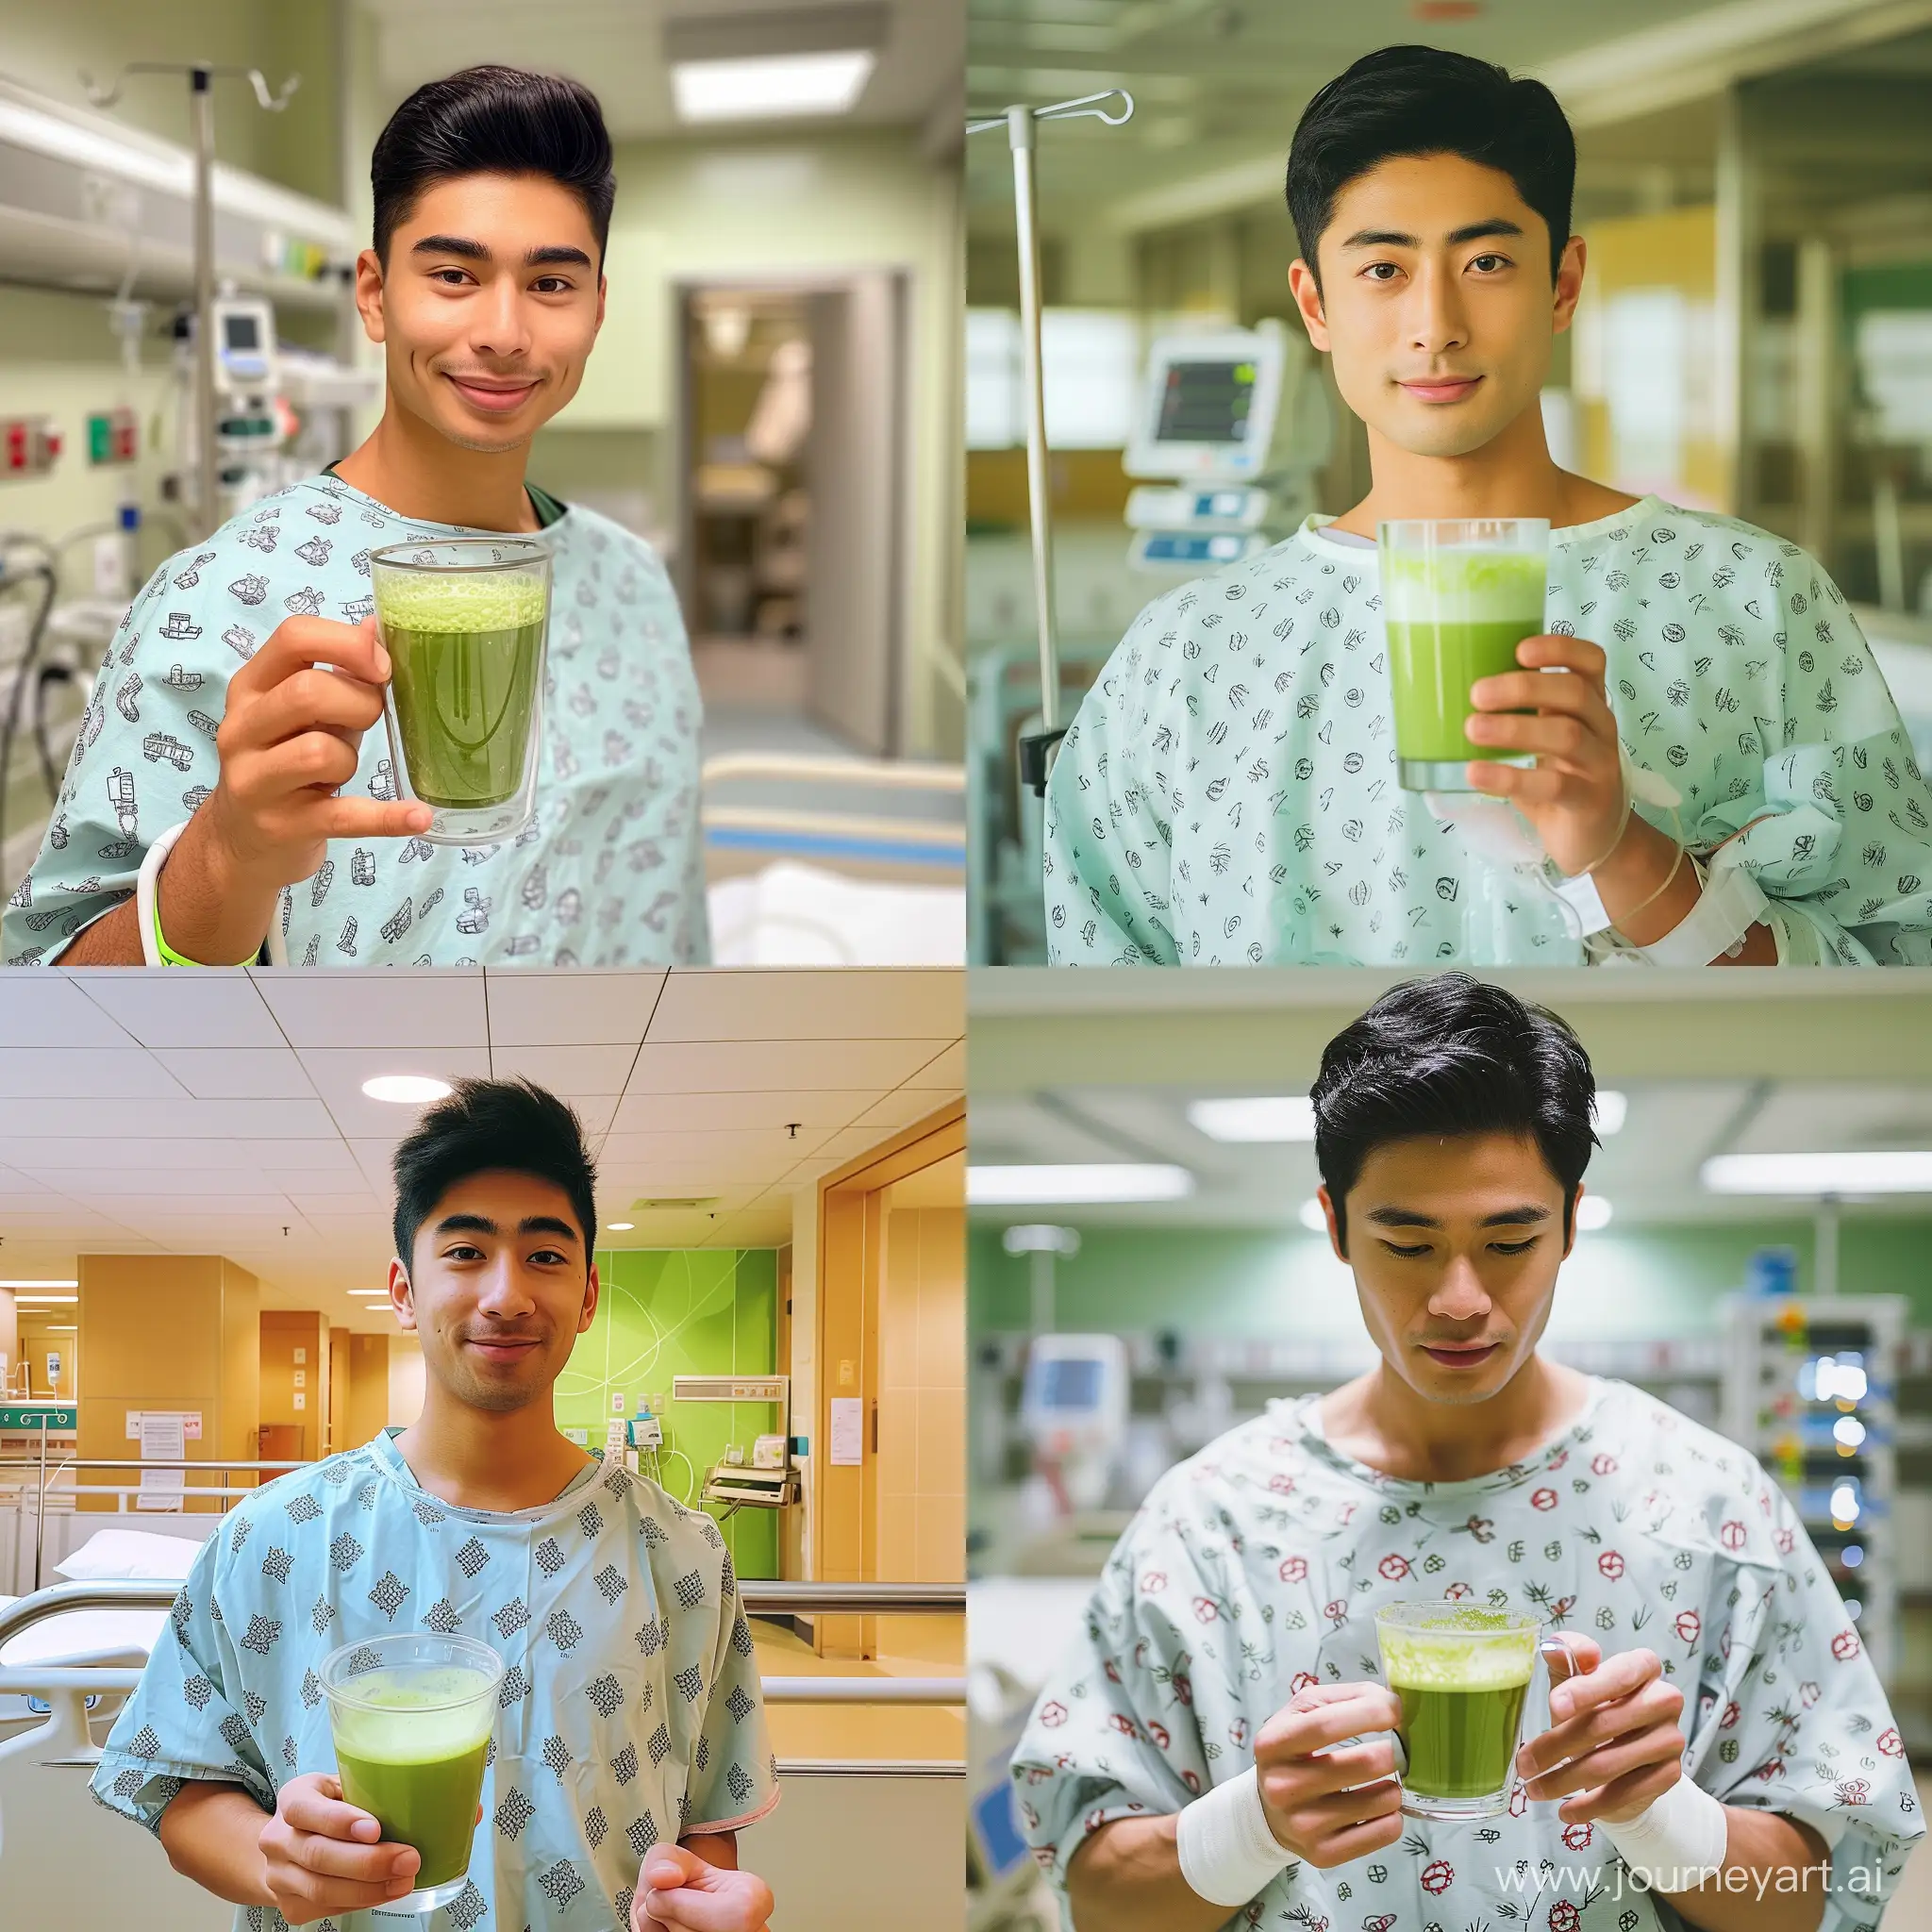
(84, 1636)
(801, 915)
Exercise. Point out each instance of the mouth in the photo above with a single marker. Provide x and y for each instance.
(1442, 389)
(491, 394)
(504, 1349)
(1461, 1354)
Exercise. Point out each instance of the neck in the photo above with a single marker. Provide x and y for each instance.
(1379, 1420)
(485, 1459)
(413, 469)
(1510, 475)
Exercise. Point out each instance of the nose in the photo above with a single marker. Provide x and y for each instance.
(1435, 319)
(503, 1293)
(497, 327)
(1460, 1295)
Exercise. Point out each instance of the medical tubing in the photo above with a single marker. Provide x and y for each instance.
(1228, 1852)
(1677, 1841)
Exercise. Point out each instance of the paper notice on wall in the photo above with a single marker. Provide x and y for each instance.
(163, 1439)
(848, 1431)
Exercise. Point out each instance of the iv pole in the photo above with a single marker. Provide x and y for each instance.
(1021, 124)
(202, 75)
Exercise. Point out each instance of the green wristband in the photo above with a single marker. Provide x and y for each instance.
(169, 957)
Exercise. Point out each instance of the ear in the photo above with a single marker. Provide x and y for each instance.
(603, 292)
(1569, 283)
(592, 1290)
(402, 1298)
(1335, 1237)
(369, 293)
(1575, 1210)
(1308, 302)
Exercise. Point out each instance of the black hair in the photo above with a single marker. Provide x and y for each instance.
(487, 1126)
(1425, 101)
(493, 121)
(1452, 1055)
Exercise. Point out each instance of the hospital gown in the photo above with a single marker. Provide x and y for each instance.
(1228, 794)
(610, 871)
(1256, 1570)
(630, 1714)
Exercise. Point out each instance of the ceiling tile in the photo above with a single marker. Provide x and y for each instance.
(337, 1072)
(40, 1007)
(187, 1120)
(237, 1072)
(565, 1071)
(844, 1003)
(219, 1007)
(427, 1009)
(900, 1107)
(582, 1006)
(754, 1066)
(85, 1072)
(824, 1107)
(945, 1073)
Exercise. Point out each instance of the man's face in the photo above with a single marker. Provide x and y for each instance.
(1454, 1244)
(489, 307)
(496, 1289)
(1436, 306)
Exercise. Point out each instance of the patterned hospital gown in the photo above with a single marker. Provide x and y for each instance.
(1256, 1568)
(1227, 793)
(611, 873)
(630, 1714)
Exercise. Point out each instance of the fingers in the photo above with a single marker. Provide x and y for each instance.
(1320, 1817)
(1623, 1674)
(316, 1806)
(1638, 1751)
(1537, 691)
(298, 642)
(1357, 1841)
(1586, 1653)
(671, 1865)
(1285, 1785)
(1565, 653)
(1573, 742)
(305, 700)
(1528, 786)
(741, 1905)
(1623, 1798)
(1322, 1715)
(1655, 1708)
(370, 818)
(376, 1865)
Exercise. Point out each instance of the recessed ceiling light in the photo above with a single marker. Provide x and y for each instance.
(405, 1089)
(1593, 1212)
(39, 1284)
(1118, 1180)
(370, 1291)
(1271, 1117)
(619, 1226)
(767, 86)
(1312, 1218)
(42, 1301)
(1611, 1108)
(1895, 1171)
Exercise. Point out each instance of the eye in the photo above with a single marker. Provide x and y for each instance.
(450, 278)
(1513, 1247)
(1490, 264)
(549, 1257)
(553, 284)
(463, 1251)
(1414, 1254)
(1374, 271)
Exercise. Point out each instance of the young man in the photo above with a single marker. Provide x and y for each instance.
(1228, 794)
(630, 1741)
(1217, 1740)
(493, 191)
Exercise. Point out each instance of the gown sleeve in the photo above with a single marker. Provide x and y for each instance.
(1839, 835)
(182, 1724)
(1108, 862)
(734, 1779)
(1791, 1718)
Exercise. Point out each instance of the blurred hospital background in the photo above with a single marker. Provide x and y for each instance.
(772, 401)
(1754, 185)
(195, 1236)
(1145, 1273)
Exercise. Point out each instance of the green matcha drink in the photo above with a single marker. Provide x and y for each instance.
(411, 1718)
(1457, 597)
(1462, 1674)
(464, 624)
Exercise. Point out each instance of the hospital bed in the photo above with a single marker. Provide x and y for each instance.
(813, 881)
(64, 1859)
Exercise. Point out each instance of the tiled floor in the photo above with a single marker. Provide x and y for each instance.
(911, 1647)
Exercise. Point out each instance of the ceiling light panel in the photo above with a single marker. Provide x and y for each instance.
(1272, 1118)
(1890, 1171)
(1075, 1185)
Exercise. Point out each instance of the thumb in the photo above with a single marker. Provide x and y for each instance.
(667, 1867)
(1585, 1655)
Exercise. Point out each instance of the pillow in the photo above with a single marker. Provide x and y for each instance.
(134, 1553)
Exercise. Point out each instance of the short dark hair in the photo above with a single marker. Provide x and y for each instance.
(1424, 101)
(493, 121)
(1452, 1055)
(487, 1126)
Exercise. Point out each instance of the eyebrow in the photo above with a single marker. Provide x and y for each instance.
(1529, 1215)
(555, 255)
(531, 1223)
(1392, 238)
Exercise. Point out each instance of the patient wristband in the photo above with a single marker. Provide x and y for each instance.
(1730, 904)
(1228, 1855)
(1676, 1843)
(155, 950)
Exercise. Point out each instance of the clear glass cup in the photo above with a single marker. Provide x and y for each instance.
(464, 622)
(411, 1715)
(1458, 595)
(1463, 1676)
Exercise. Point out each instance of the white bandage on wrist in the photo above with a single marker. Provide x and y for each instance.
(147, 884)
(1228, 1855)
(1731, 903)
(1676, 1843)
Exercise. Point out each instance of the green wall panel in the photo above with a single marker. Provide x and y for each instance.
(683, 1311)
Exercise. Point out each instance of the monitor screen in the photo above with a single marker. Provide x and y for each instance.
(1206, 402)
(1070, 1382)
(242, 332)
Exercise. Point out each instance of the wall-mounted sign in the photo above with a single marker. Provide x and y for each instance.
(189, 1419)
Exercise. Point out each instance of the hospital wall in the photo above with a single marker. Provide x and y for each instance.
(1660, 1282)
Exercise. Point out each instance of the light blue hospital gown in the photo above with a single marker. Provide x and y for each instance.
(1228, 795)
(1256, 1568)
(611, 871)
(630, 1712)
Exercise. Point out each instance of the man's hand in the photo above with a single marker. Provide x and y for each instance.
(1613, 1746)
(678, 1887)
(1573, 794)
(326, 1858)
(291, 735)
(1324, 1804)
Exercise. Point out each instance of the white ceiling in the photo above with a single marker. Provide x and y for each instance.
(222, 1114)
(617, 47)
(1648, 1171)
